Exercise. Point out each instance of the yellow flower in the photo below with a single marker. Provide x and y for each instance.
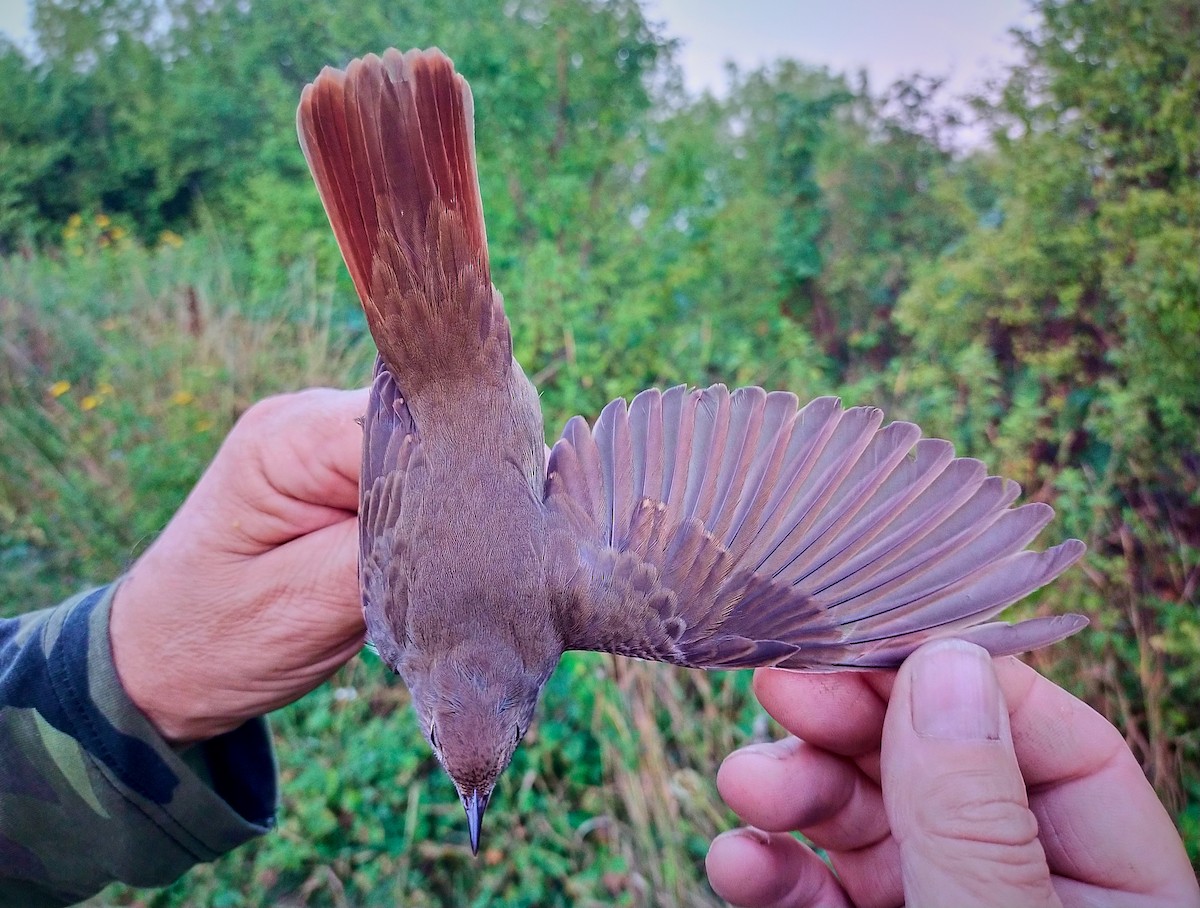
(182, 398)
(170, 238)
(204, 425)
(90, 402)
(104, 389)
(75, 220)
(102, 220)
(59, 388)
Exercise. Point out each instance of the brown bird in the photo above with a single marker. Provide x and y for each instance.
(702, 528)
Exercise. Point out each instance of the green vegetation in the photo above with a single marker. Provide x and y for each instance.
(166, 262)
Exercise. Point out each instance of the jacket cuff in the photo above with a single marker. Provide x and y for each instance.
(207, 799)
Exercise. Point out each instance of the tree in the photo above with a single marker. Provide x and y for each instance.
(1068, 319)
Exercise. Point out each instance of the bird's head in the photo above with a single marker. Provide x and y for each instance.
(475, 707)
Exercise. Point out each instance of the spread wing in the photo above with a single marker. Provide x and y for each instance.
(392, 458)
(720, 530)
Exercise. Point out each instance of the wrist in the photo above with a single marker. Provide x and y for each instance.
(146, 668)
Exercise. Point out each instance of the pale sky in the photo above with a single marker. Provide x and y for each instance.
(966, 40)
(14, 18)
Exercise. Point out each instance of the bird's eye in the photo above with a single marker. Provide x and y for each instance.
(433, 735)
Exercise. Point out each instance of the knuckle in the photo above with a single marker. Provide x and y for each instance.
(290, 427)
(264, 413)
(976, 814)
(989, 836)
(273, 416)
(259, 432)
(985, 841)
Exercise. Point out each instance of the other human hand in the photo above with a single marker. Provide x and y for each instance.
(924, 788)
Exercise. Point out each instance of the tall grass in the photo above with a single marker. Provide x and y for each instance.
(121, 370)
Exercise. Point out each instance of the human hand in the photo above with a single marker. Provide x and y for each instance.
(249, 598)
(925, 790)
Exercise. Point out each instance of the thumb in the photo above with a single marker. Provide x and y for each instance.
(953, 791)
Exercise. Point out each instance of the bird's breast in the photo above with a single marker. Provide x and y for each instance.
(475, 550)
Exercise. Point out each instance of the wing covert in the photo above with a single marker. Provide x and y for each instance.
(391, 457)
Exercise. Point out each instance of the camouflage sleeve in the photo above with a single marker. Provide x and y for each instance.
(89, 792)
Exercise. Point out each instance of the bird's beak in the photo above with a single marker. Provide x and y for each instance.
(475, 805)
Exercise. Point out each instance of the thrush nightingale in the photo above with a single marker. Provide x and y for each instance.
(704, 528)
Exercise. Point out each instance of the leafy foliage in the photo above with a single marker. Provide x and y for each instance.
(1037, 302)
(1068, 317)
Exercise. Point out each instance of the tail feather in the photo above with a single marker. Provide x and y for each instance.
(390, 143)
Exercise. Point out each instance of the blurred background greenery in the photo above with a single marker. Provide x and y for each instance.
(1035, 298)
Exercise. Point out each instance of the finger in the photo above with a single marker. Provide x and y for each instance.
(791, 785)
(289, 467)
(305, 446)
(842, 712)
(954, 793)
(1082, 777)
(754, 869)
(320, 570)
(322, 429)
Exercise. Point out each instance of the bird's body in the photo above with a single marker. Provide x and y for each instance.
(707, 528)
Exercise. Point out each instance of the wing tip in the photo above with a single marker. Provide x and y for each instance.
(1067, 553)
(1003, 639)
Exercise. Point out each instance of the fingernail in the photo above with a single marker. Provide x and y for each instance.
(776, 750)
(751, 832)
(954, 693)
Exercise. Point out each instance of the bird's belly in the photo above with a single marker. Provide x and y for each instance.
(472, 555)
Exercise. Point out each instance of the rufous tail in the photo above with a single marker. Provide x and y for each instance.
(390, 143)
